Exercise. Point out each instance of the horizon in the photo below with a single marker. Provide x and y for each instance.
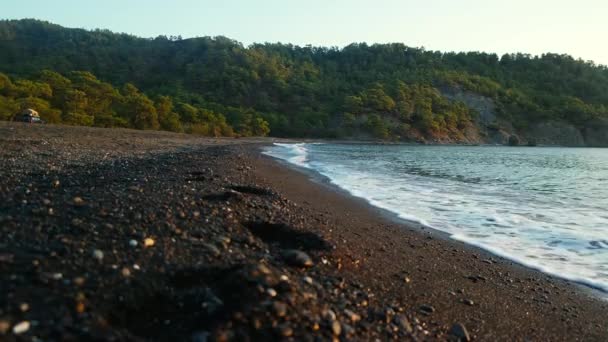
(543, 27)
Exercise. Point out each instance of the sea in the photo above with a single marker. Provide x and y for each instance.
(543, 207)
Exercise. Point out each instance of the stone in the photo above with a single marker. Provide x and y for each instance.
(285, 330)
(336, 328)
(78, 201)
(133, 243)
(21, 327)
(403, 323)
(149, 242)
(4, 327)
(426, 309)
(98, 255)
(468, 302)
(352, 316)
(297, 258)
(279, 308)
(460, 332)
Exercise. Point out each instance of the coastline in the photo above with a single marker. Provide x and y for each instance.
(224, 221)
(514, 285)
(324, 181)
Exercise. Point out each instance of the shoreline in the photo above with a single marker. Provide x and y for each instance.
(314, 176)
(129, 235)
(521, 275)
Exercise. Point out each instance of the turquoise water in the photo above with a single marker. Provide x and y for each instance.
(546, 208)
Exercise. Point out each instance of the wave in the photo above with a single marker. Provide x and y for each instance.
(294, 153)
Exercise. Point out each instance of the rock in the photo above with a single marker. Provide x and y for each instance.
(98, 255)
(149, 242)
(133, 243)
(403, 323)
(279, 308)
(460, 332)
(24, 307)
(125, 272)
(297, 258)
(78, 201)
(336, 328)
(4, 327)
(212, 249)
(352, 316)
(21, 327)
(426, 309)
(468, 302)
(79, 281)
(285, 330)
(308, 280)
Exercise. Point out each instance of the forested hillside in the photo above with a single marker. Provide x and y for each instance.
(217, 86)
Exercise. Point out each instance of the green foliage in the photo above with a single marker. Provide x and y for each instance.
(218, 87)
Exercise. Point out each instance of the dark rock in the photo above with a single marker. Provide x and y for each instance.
(468, 302)
(297, 258)
(403, 323)
(426, 309)
(459, 332)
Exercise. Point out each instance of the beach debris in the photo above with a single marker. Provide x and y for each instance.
(297, 258)
(460, 332)
(21, 327)
(149, 242)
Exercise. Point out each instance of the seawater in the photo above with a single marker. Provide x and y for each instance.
(546, 208)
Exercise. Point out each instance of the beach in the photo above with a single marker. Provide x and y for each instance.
(137, 235)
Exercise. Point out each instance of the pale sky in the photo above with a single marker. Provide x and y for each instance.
(579, 28)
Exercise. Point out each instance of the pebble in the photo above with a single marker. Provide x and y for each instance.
(336, 328)
(133, 243)
(271, 292)
(468, 302)
(285, 330)
(24, 307)
(459, 331)
(352, 316)
(79, 281)
(427, 309)
(125, 272)
(297, 258)
(308, 280)
(21, 327)
(4, 327)
(403, 323)
(149, 242)
(98, 255)
(279, 308)
(78, 201)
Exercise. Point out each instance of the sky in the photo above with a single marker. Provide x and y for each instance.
(578, 28)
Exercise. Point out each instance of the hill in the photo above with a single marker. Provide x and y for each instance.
(217, 86)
